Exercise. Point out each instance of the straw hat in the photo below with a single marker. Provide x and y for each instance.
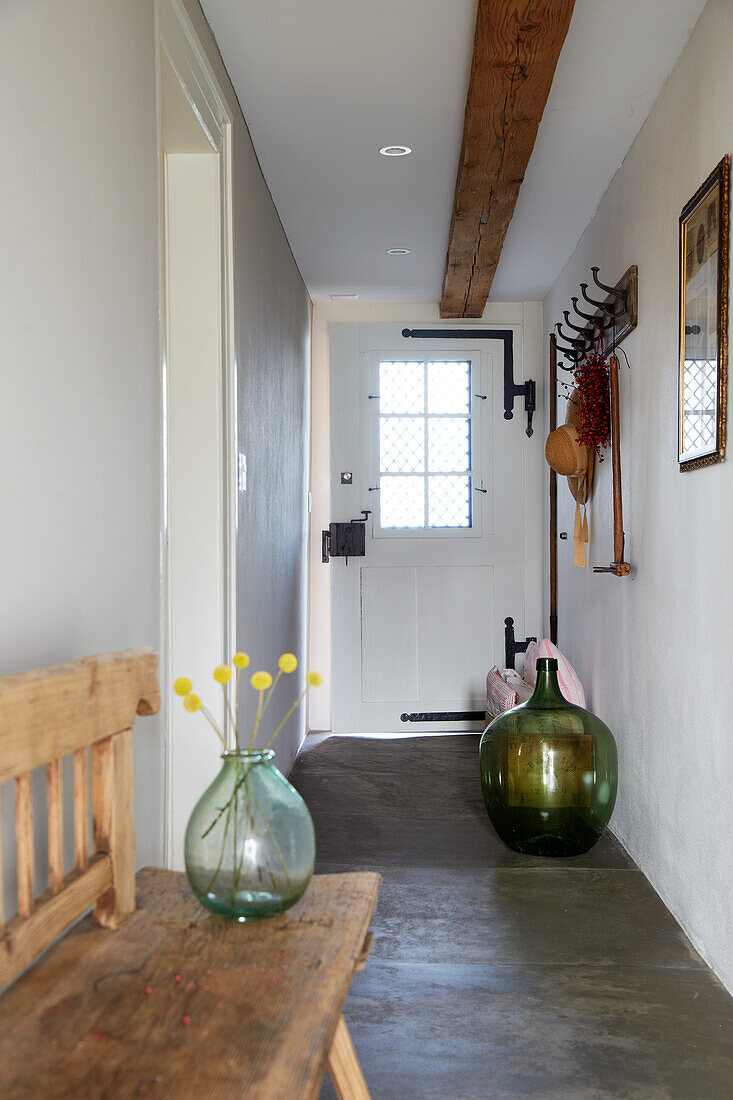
(569, 458)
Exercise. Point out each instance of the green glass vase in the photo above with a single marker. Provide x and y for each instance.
(250, 843)
(549, 772)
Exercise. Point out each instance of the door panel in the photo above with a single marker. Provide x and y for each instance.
(389, 634)
(418, 621)
(464, 600)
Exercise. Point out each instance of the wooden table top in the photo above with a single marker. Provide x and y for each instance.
(181, 1003)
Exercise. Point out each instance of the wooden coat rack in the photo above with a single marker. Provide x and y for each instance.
(615, 316)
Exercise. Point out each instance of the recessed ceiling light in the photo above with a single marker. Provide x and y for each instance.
(395, 150)
(398, 252)
(344, 297)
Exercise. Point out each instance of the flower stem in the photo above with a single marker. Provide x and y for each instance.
(258, 719)
(269, 694)
(229, 709)
(240, 781)
(235, 797)
(274, 841)
(294, 707)
(223, 844)
(236, 706)
(210, 719)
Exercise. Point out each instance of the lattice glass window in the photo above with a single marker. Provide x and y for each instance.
(401, 388)
(700, 390)
(425, 446)
(402, 444)
(448, 388)
(449, 501)
(449, 443)
(402, 502)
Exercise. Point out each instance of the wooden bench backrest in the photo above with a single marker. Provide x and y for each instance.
(44, 716)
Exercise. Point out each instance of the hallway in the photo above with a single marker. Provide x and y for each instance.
(495, 974)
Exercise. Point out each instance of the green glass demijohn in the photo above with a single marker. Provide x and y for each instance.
(250, 843)
(549, 772)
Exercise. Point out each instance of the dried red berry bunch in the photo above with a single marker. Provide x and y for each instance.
(592, 403)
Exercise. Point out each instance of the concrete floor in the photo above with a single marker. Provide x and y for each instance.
(500, 975)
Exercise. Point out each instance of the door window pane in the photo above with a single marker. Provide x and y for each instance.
(448, 388)
(449, 501)
(402, 501)
(401, 444)
(402, 388)
(448, 444)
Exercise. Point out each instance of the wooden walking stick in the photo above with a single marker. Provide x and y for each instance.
(553, 495)
(618, 566)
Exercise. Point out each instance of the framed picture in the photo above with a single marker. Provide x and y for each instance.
(704, 323)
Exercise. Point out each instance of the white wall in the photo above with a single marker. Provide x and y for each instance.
(528, 315)
(80, 409)
(654, 650)
(79, 415)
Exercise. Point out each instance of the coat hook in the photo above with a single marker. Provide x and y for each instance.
(608, 289)
(578, 345)
(609, 309)
(570, 353)
(594, 319)
(583, 331)
(573, 354)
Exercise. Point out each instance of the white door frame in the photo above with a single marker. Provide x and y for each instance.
(176, 36)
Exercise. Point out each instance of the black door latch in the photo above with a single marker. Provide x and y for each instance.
(345, 540)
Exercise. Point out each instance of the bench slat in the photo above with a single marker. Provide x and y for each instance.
(81, 810)
(23, 938)
(55, 812)
(24, 844)
(264, 999)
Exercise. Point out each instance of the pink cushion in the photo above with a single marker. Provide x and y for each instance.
(499, 696)
(567, 677)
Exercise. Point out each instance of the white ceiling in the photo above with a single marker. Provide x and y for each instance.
(325, 83)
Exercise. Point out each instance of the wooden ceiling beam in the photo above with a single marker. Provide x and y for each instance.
(515, 51)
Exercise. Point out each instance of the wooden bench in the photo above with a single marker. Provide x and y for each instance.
(155, 995)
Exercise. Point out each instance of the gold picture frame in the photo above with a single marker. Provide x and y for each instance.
(703, 346)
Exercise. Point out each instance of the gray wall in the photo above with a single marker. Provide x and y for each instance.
(273, 366)
(654, 651)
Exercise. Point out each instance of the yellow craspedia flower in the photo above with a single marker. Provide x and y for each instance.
(288, 662)
(192, 703)
(182, 686)
(222, 674)
(240, 660)
(314, 679)
(261, 681)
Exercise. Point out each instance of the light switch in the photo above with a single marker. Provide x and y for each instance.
(242, 478)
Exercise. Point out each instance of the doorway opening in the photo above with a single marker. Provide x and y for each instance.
(198, 404)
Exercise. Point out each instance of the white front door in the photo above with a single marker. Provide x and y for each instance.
(418, 438)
